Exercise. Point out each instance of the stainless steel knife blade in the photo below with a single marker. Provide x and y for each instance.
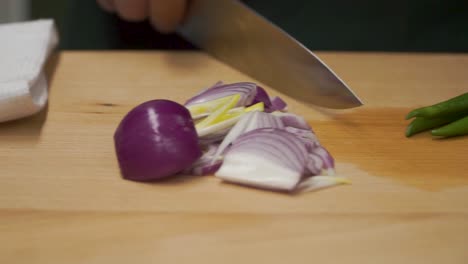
(236, 35)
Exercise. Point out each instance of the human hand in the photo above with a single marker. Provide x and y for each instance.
(165, 15)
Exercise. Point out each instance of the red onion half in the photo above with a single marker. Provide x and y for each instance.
(155, 140)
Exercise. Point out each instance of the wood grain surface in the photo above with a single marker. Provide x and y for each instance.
(62, 199)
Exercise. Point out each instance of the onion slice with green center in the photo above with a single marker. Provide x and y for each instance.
(224, 121)
(246, 90)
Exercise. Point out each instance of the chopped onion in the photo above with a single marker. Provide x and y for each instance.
(320, 160)
(246, 90)
(248, 122)
(273, 158)
(241, 134)
(271, 104)
(266, 157)
(218, 115)
(307, 136)
(205, 165)
(278, 104)
(320, 182)
(217, 131)
(328, 161)
(262, 96)
(292, 120)
(314, 165)
(276, 136)
(201, 110)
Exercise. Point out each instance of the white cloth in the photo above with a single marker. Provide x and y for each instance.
(24, 49)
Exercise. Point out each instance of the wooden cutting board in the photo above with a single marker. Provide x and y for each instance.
(62, 199)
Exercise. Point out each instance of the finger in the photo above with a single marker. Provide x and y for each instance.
(166, 15)
(107, 5)
(132, 10)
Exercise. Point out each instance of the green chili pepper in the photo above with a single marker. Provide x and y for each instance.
(456, 128)
(420, 124)
(452, 106)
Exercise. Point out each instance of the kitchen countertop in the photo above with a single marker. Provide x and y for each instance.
(62, 199)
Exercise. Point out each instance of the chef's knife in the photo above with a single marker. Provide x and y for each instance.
(236, 35)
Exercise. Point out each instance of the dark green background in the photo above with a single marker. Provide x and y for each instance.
(412, 25)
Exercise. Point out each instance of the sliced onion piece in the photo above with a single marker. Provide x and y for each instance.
(320, 182)
(267, 158)
(216, 132)
(307, 136)
(292, 120)
(314, 165)
(232, 112)
(206, 168)
(246, 90)
(270, 143)
(204, 109)
(256, 107)
(320, 160)
(278, 104)
(220, 128)
(262, 96)
(256, 171)
(217, 115)
(213, 138)
(328, 161)
(271, 104)
(204, 165)
(249, 122)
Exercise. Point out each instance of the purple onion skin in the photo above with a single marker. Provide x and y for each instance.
(156, 140)
(278, 104)
(262, 96)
